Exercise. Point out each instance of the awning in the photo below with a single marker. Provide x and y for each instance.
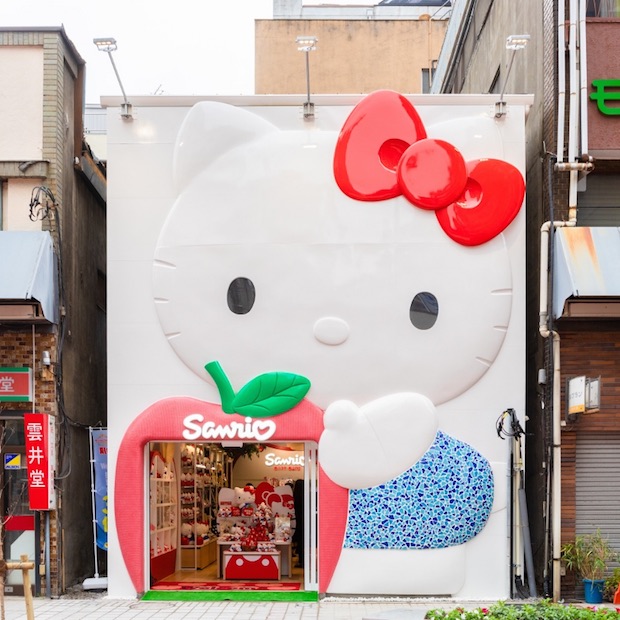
(586, 279)
(28, 273)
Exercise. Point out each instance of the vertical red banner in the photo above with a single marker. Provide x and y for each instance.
(39, 433)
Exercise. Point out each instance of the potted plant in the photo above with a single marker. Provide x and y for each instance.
(588, 555)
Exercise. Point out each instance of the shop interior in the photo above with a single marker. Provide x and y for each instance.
(227, 514)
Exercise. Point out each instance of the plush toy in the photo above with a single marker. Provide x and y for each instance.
(263, 514)
(244, 497)
(187, 534)
(226, 496)
(237, 532)
(201, 530)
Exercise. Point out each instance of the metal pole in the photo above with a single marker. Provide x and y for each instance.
(512, 57)
(308, 74)
(92, 498)
(527, 544)
(126, 109)
(118, 77)
(48, 563)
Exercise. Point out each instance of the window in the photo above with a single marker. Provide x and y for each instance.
(427, 77)
(603, 8)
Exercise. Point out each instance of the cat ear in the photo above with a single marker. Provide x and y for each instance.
(209, 129)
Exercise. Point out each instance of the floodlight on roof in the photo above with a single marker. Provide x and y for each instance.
(108, 45)
(517, 41)
(514, 42)
(105, 44)
(307, 44)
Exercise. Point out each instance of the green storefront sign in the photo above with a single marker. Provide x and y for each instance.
(603, 95)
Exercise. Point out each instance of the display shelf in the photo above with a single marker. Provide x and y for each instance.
(163, 533)
(204, 468)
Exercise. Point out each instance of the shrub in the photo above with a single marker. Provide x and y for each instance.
(611, 585)
(588, 555)
(543, 610)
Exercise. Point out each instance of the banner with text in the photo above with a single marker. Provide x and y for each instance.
(40, 460)
(99, 438)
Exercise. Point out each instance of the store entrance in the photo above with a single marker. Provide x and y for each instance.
(226, 516)
(18, 520)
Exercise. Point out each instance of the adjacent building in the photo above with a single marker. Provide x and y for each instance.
(359, 49)
(573, 431)
(52, 308)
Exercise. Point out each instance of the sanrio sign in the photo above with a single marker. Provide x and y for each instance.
(358, 282)
(196, 429)
(273, 460)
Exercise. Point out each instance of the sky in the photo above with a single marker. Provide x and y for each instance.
(180, 47)
(166, 47)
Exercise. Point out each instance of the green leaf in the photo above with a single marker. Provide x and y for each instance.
(270, 394)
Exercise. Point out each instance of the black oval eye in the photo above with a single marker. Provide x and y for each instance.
(241, 295)
(424, 310)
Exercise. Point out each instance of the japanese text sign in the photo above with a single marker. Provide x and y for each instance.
(15, 384)
(40, 460)
(606, 92)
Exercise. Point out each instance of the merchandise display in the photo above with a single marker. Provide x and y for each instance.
(245, 531)
(254, 542)
(204, 469)
(163, 516)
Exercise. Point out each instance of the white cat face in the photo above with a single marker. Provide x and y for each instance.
(265, 265)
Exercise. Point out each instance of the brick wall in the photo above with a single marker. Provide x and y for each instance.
(20, 347)
(590, 349)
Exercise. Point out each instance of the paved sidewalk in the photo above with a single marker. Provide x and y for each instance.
(100, 607)
(104, 608)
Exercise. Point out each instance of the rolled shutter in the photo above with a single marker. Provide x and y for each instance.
(597, 485)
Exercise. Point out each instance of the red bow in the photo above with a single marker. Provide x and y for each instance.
(383, 152)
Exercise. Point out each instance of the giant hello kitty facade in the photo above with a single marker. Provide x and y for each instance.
(376, 258)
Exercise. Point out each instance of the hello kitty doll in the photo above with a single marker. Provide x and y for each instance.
(372, 261)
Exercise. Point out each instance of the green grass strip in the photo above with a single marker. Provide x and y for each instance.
(230, 595)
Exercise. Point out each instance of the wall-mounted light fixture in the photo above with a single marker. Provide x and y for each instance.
(307, 44)
(108, 44)
(514, 42)
(47, 370)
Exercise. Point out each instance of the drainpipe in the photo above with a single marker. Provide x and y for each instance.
(573, 108)
(583, 82)
(545, 332)
(561, 79)
(573, 166)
